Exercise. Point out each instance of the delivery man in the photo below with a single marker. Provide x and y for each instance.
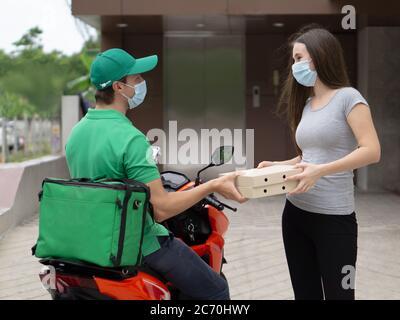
(106, 144)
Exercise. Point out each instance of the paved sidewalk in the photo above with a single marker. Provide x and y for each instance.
(18, 268)
(256, 266)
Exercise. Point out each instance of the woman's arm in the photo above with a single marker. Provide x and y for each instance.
(368, 151)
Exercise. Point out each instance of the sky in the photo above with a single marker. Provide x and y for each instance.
(52, 16)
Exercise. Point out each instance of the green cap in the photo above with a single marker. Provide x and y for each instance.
(114, 64)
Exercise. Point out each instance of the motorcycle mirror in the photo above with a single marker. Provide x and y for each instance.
(156, 153)
(222, 155)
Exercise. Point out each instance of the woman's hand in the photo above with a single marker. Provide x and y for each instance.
(311, 173)
(263, 164)
(290, 162)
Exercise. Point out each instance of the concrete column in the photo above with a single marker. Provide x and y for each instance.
(70, 115)
(4, 142)
(378, 81)
(362, 81)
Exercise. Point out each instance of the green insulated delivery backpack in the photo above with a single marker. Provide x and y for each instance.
(95, 221)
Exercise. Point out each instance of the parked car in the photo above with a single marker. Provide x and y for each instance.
(13, 138)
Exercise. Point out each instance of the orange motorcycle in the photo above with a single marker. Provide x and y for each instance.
(202, 227)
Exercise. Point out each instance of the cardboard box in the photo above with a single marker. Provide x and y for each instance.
(267, 181)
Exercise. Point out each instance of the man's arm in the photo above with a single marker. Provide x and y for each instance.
(169, 204)
(140, 166)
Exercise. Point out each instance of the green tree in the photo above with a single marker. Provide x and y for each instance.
(14, 106)
(82, 83)
(43, 77)
(30, 40)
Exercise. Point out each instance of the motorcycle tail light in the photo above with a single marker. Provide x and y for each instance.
(156, 291)
(56, 281)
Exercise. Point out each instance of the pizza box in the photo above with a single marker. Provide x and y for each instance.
(267, 181)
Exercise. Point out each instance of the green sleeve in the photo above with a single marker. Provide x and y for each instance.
(138, 162)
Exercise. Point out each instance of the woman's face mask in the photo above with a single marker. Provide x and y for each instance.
(139, 95)
(303, 74)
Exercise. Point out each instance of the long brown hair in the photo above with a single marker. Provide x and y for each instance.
(327, 55)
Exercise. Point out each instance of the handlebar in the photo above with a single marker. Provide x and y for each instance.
(218, 204)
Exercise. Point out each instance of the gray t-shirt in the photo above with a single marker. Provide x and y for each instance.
(324, 136)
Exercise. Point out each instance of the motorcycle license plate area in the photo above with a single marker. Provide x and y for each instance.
(267, 181)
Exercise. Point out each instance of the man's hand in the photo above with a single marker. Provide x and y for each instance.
(225, 186)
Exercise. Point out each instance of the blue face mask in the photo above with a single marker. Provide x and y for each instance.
(138, 97)
(303, 74)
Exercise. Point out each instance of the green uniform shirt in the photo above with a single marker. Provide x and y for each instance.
(105, 144)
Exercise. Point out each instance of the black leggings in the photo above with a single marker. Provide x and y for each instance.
(321, 252)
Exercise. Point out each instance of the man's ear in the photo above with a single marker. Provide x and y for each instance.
(117, 86)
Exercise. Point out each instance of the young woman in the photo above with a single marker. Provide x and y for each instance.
(334, 134)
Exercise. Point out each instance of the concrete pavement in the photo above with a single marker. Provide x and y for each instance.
(256, 266)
